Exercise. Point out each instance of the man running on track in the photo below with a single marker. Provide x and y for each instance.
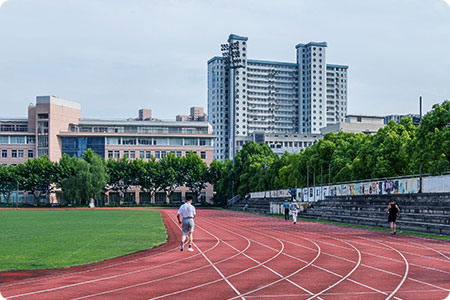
(187, 211)
(294, 210)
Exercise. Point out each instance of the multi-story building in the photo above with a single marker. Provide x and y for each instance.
(197, 114)
(356, 124)
(247, 95)
(54, 126)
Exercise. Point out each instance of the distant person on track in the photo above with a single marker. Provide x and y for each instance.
(286, 210)
(187, 212)
(294, 210)
(393, 210)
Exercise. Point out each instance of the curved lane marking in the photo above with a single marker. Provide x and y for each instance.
(270, 269)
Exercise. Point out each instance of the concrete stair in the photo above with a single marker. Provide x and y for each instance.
(429, 213)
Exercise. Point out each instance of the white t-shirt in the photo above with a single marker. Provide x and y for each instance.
(293, 207)
(187, 210)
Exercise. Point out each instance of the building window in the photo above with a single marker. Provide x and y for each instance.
(148, 154)
(14, 153)
(132, 154)
(126, 153)
(203, 155)
(158, 154)
(358, 119)
(116, 154)
(141, 154)
(163, 154)
(4, 153)
(43, 141)
(20, 153)
(110, 154)
(42, 152)
(178, 153)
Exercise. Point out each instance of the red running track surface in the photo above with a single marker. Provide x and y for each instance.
(244, 256)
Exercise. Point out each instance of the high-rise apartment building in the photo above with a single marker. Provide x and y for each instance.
(247, 95)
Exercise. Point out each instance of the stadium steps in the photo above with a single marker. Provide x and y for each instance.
(429, 213)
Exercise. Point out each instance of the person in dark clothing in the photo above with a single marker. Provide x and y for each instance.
(286, 210)
(393, 210)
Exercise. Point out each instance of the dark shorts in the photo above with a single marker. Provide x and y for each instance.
(392, 217)
(187, 225)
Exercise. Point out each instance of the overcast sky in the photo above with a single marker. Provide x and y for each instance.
(116, 56)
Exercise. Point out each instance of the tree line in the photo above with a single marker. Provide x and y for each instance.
(396, 150)
(86, 178)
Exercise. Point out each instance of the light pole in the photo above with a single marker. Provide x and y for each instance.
(232, 54)
(420, 167)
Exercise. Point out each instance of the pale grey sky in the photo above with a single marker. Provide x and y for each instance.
(116, 56)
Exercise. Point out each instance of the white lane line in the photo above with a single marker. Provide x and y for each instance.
(220, 273)
(343, 278)
(108, 277)
(405, 274)
(215, 268)
(326, 270)
(167, 277)
(46, 278)
(432, 249)
(339, 294)
(382, 257)
(229, 276)
(270, 269)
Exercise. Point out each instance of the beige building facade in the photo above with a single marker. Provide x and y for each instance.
(54, 126)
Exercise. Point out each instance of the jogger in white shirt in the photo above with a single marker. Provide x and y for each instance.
(187, 211)
(294, 210)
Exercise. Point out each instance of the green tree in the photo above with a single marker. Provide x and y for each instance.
(36, 176)
(432, 143)
(120, 175)
(8, 181)
(88, 180)
(170, 174)
(195, 173)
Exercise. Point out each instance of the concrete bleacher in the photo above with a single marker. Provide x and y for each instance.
(258, 205)
(429, 213)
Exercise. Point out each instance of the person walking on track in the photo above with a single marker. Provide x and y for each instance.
(187, 213)
(294, 210)
(286, 210)
(393, 210)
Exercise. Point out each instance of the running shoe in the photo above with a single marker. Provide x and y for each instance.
(190, 249)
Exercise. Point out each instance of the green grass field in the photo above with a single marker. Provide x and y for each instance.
(61, 238)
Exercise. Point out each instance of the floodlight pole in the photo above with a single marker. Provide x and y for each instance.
(420, 167)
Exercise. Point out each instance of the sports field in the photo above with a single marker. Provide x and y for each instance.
(244, 256)
(45, 239)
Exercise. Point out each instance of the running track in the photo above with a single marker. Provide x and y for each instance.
(243, 256)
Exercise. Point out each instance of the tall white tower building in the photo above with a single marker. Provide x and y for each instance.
(247, 96)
